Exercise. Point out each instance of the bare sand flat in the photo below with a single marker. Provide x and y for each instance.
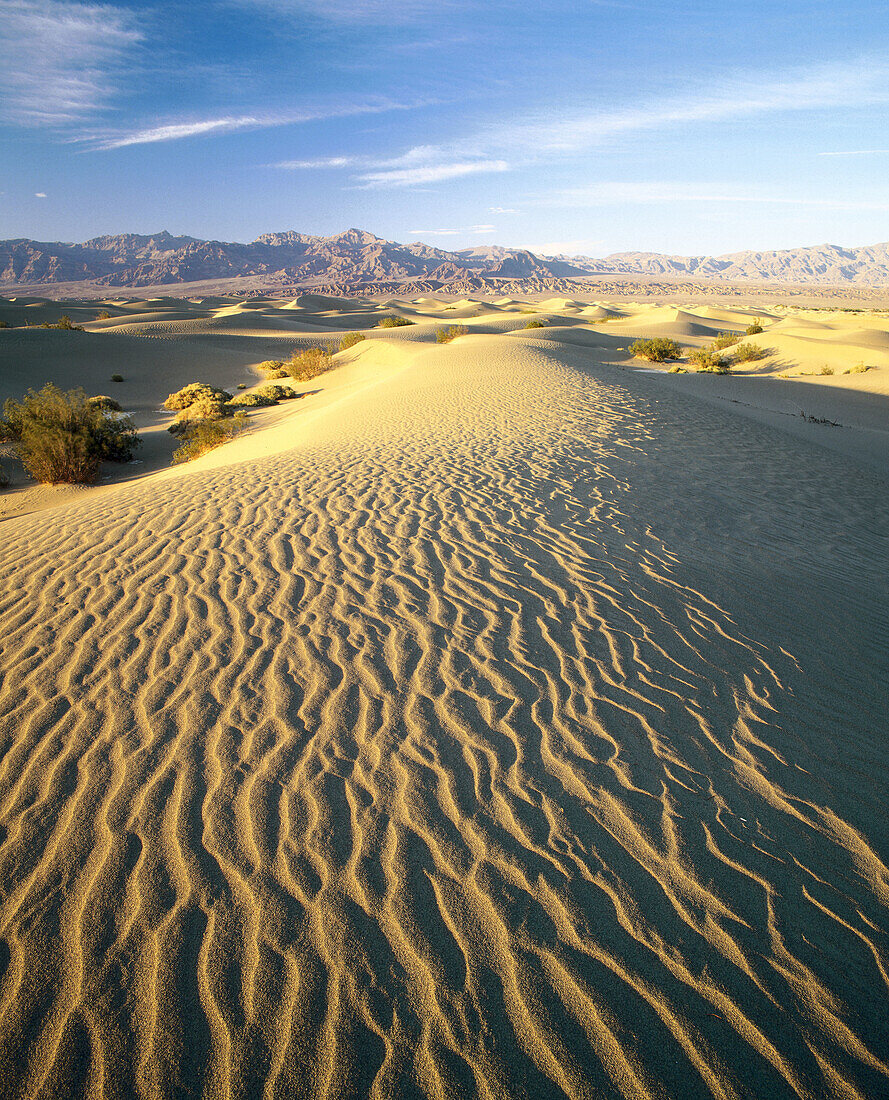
(499, 720)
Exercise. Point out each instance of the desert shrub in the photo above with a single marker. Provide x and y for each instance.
(205, 435)
(394, 322)
(64, 323)
(242, 385)
(62, 437)
(826, 369)
(278, 393)
(676, 369)
(4, 324)
(657, 350)
(446, 335)
(104, 403)
(859, 368)
(196, 392)
(753, 329)
(725, 340)
(708, 361)
(535, 324)
(252, 400)
(303, 366)
(117, 378)
(350, 340)
(748, 353)
(270, 366)
(103, 315)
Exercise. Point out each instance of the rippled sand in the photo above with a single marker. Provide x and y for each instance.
(519, 732)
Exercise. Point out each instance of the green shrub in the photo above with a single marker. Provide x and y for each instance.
(708, 361)
(657, 350)
(62, 437)
(754, 329)
(252, 400)
(446, 335)
(271, 367)
(535, 324)
(278, 393)
(748, 353)
(350, 340)
(303, 366)
(196, 392)
(394, 322)
(205, 435)
(117, 378)
(725, 340)
(64, 323)
(104, 403)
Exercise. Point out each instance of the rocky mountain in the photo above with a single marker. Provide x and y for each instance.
(354, 256)
(819, 265)
(357, 258)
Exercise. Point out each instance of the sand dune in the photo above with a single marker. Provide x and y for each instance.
(500, 721)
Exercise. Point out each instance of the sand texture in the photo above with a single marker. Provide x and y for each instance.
(497, 721)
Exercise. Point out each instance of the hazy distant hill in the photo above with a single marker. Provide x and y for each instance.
(356, 258)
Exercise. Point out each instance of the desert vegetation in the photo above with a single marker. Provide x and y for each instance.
(725, 340)
(657, 350)
(350, 340)
(535, 324)
(394, 322)
(446, 335)
(63, 436)
(65, 323)
(202, 436)
(708, 361)
(754, 328)
(305, 365)
(748, 353)
(273, 368)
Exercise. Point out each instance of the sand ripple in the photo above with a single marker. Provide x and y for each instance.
(438, 758)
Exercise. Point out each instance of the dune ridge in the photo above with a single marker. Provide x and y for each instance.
(486, 741)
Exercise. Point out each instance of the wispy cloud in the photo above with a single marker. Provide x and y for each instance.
(431, 173)
(502, 210)
(453, 232)
(61, 61)
(322, 162)
(39, 194)
(357, 11)
(855, 153)
(644, 193)
(176, 131)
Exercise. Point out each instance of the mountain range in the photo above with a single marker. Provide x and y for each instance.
(356, 258)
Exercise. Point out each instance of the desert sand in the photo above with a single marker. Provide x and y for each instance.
(504, 718)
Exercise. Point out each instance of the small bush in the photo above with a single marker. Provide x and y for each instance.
(350, 340)
(62, 437)
(708, 361)
(117, 378)
(826, 369)
(65, 323)
(859, 368)
(278, 393)
(242, 385)
(394, 322)
(206, 435)
(253, 400)
(103, 315)
(4, 324)
(535, 324)
(446, 335)
(754, 329)
(104, 403)
(725, 340)
(748, 353)
(196, 392)
(676, 369)
(271, 365)
(657, 350)
(303, 366)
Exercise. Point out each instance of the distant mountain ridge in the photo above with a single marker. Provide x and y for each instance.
(357, 258)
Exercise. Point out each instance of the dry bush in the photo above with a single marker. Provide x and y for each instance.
(64, 436)
(350, 340)
(103, 315)
(303, 366)
(446, 335)
(205, 435)
(65, 323)
(278, 393)
(708, 361)
(535, 324)
(859, 368)
(393, 322)
(748, 353)
(754, 329)
(657, 350)
(196, 392)
(104, 403)
(253, 400)
(725, 340)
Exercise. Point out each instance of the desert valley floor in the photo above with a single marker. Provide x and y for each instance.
(499, 719)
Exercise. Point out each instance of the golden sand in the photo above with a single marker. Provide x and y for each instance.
(499, 720)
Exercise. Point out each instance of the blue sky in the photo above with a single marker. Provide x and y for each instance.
(576, 126)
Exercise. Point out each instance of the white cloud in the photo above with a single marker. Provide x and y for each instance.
(323, 162)
(433, 173)
(453, 232)
(502, 210)
(855, 153)
(61, 61)
(355, 11)
(644, 193)
(39, 194)
(175, 131)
